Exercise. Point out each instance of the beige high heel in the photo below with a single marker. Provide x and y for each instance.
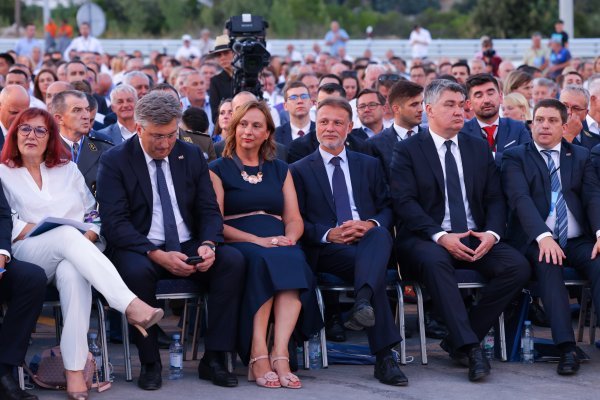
(270, 380)
(142, 316)
(288, 380)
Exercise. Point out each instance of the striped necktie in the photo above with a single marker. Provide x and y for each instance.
(561, 227)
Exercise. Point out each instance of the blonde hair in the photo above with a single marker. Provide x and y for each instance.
(518, 100)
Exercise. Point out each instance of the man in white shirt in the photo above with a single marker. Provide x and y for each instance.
(13, 100)
(139, 81)
(419, 40)
(84, 43)
(206, 43)
(20, 77)
(122, 99)
(194, 90)
(187, 51)
(593, 117)
(24, 46)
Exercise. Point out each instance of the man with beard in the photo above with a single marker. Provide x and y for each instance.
(485, 98)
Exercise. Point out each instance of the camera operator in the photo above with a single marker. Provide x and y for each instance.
(221, 85)
(489, 55)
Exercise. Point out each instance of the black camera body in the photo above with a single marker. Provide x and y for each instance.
(247, 40)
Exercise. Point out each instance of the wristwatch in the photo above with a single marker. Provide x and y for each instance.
(210, 245)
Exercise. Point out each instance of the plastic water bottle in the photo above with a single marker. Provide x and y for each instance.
(96, 353)
(176, 358)
(300, 356)
(488, 345)
(314, 352)
(527, 344)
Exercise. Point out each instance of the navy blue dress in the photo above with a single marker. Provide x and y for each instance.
(269, 270)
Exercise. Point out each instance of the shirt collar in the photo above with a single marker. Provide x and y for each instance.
(304, 129)
(147, 156)
(483, 124)
(402, 132)
(70, 142)
(328, 156)
(4, 130)
(539, 148)
(439, 141)
(592, 122)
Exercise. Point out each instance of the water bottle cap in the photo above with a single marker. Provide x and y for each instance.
(527, 323)
(176, 336)
(93, 335)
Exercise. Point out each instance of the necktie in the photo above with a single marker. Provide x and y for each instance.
(169, 224)
(489, 130)
(340, 193)
(409, 133)
(300, 133)
(75, 151)
(561, 227)
(458, 216)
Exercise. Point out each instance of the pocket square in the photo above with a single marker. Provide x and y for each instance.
(509, 143)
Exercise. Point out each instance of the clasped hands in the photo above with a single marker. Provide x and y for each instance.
(458, 250)
(174, 261)
(349, 232)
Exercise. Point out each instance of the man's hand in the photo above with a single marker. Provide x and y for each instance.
(208, 256)
(173, 261)
(574, 127)
(24, 232)
(487, 242)
(335, 235)
(353, 231)
(452, 243)
(551, 251)
(596, 249)
(91, 236)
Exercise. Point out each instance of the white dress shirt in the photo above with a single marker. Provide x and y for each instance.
(125, 133)
(79, 44)
(441, 148)
(70, 143)
(419, 50)
(593, 126)
(157, 231)
(295, 130)
(4, 130)
(64, 194)
(402, 133)
(573, 228)
(484, 125)
(34, 102)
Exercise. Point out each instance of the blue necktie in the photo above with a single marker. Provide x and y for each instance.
(562, 223)
(169, 224)
(340, 193)
(458, 216)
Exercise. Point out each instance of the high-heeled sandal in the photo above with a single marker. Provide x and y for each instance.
(270, 380)
(78, 395)
(288, 380)
(156, 314)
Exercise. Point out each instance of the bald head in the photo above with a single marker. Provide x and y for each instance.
(240, 99)
(56, 88)
(13, 100)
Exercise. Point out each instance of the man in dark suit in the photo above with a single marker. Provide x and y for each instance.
(370, 106)
(69, 109)
(344, 202)
(13, 100)
(123, 99)
(221, 85)
(158, 208)
(22, 290)
(406, 102)
(485, 99)
(297, 103)
(451, 210)
(308, 143)
(577, 101)
(554, 195)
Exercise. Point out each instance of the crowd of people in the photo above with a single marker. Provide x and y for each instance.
(344, 166)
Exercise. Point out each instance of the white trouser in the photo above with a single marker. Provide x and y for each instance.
(73, 263)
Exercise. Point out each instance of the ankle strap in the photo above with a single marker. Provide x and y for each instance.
(253, 360)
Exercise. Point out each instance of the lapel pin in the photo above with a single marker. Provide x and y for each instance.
(568, 154)
(92, 147)
(180, 157)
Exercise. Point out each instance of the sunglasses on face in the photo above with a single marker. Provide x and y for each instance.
(388, 77)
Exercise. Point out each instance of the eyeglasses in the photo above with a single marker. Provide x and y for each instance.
(295, 97)
(158, 138)
(370, 106)
(388, 77)
(39, 131)
(348, 74)
(575, 109)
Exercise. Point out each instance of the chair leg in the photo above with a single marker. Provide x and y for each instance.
(184, 328)
(21, 375)
(592, 324)
(196, 325)
(421, 317)
(58, 323)
(126, 350)
(582, 313)
(401, 322)
(322, 335)
(103, 339)
(502, 335)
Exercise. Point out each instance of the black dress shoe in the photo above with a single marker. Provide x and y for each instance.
(460, 357)
(213, 368)
(334, 330)
(362, 316)
(434, 328)
(568, 364)
(150, 376)
(164, 341)
(10, 390)
(479, 366)
(388, 372)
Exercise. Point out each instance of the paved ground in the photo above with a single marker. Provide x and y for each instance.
(440, 379)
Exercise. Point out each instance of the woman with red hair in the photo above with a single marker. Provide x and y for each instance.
(39, 181)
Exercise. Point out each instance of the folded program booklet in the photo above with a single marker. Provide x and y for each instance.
(50, 223)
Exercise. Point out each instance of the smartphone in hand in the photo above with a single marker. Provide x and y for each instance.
(194, 260)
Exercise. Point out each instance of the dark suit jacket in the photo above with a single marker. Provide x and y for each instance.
(381, 146)
(5, 220)
(526, 183)
(125, 195)
(281, 151)
(308, 143)
(221, 87)
(202, 140)
(360, 133)
(283, 133)
(588, 139)
(315, 197)
(418, 187)
(509, 133)
(1, 140)
(89, 159)
(114, 133)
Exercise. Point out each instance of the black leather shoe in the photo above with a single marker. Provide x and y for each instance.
(334, 330)
(164, 341)
(568, 364)
(213, 368)
(10, 390)
(460, 357)
(388, 372)
(362, 316)
(150, 376)
(434, 329)
(479, 366)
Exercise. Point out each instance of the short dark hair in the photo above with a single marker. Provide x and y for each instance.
(404, 90)
(77, 62)
(19, 72)
(331, 88)
(164, 86)
(293, 85)
(462, 64)
(8, 58)
(82, 86)
(195, 119)
(480, 79)
(331, 76)
(92, 102)
(552, 103)
(363, 92)
(417, 66)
